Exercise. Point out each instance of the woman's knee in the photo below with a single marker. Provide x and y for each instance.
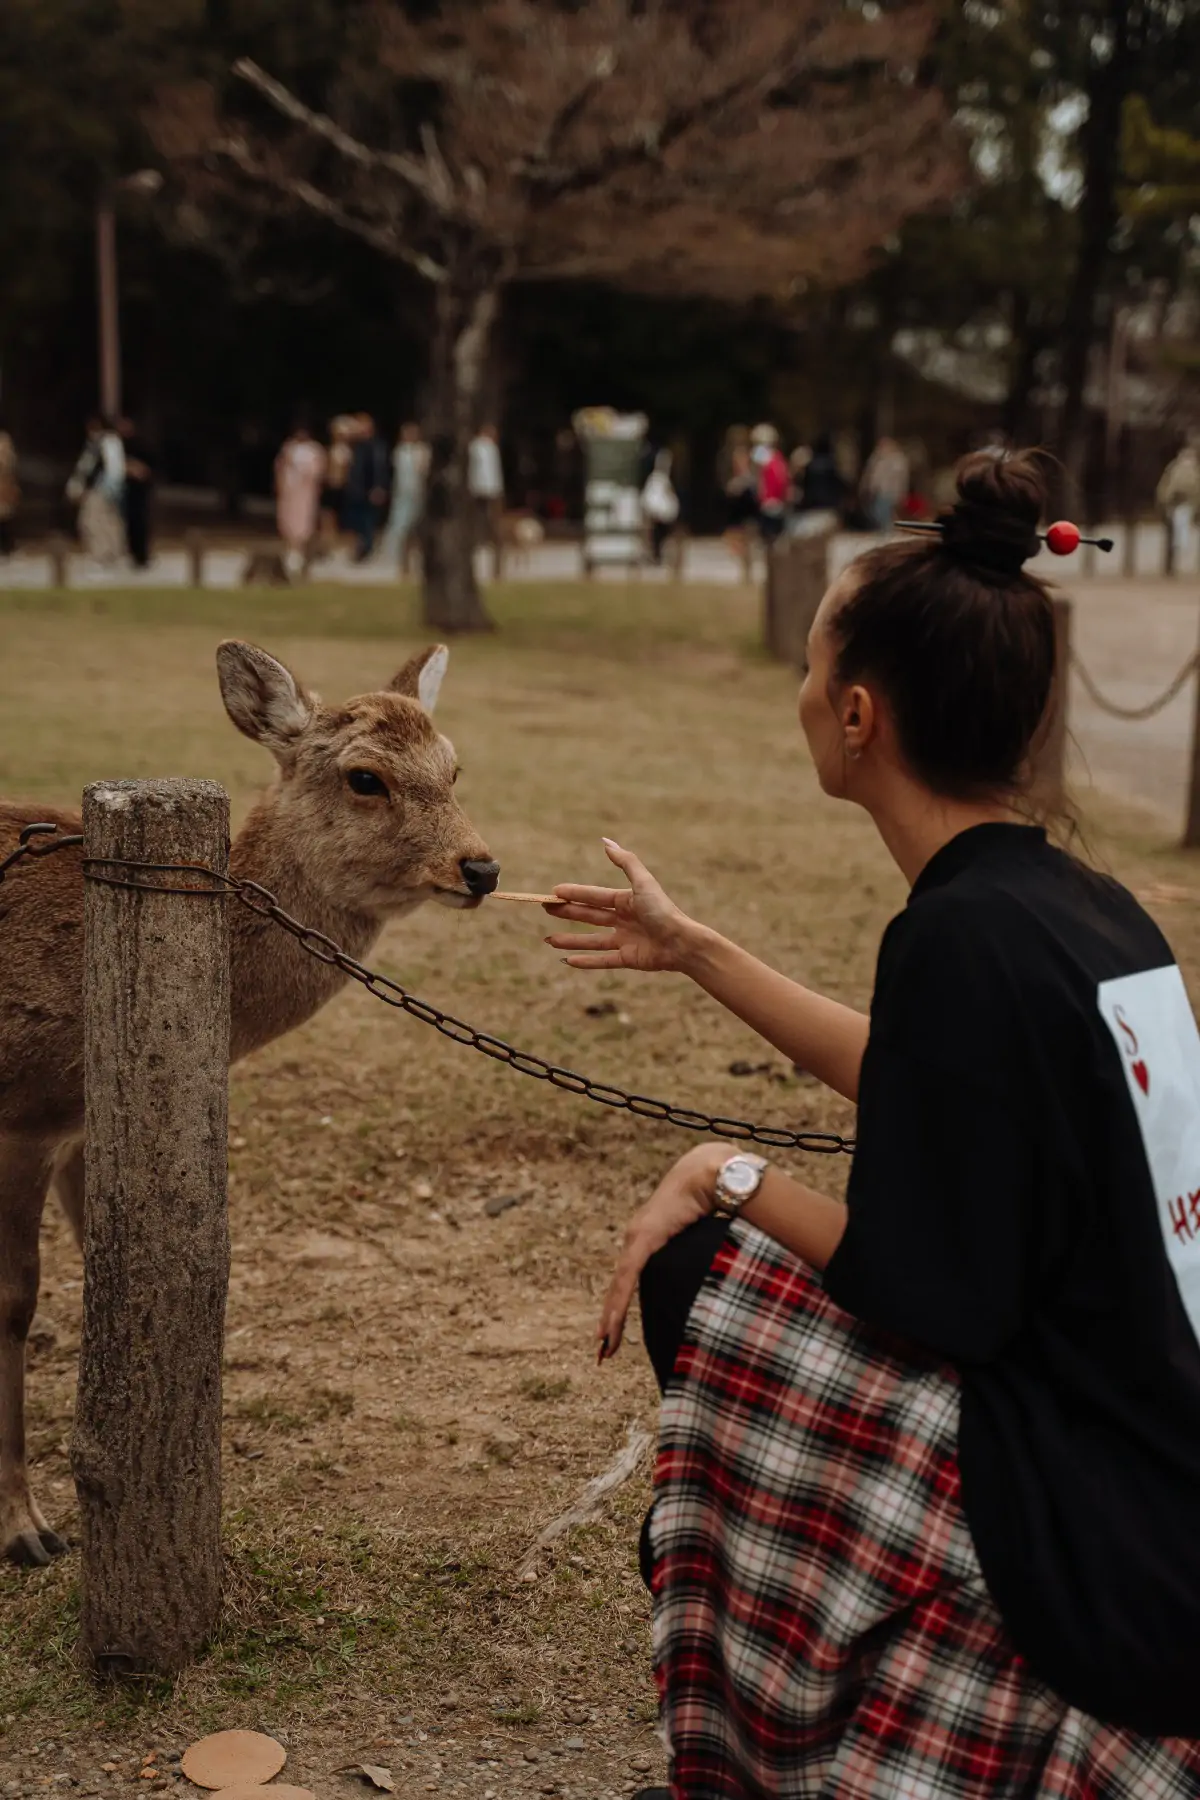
(669, 1284)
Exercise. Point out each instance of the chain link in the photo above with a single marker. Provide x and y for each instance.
(260, 900)
(1135, 714)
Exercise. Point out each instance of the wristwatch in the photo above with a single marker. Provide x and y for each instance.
(738, 1181)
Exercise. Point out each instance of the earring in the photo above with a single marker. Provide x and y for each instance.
(852, 755)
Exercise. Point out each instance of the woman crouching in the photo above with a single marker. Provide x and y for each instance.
(927, 1503)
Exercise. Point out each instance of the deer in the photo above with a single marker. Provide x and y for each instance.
(360, 825)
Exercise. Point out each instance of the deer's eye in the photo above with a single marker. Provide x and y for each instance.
(365, 781)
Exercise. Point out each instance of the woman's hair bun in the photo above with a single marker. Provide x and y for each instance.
(992, 526)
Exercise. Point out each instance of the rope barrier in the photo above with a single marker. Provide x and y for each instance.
(1135, 713)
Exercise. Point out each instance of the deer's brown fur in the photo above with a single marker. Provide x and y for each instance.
(340, 861)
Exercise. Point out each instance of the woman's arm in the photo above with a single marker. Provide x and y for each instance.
(805, 1222)
(642, 929)
(816, 1033)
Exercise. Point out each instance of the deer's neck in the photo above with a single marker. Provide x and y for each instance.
(276, 985)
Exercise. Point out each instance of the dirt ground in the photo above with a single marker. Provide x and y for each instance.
(411, 1392)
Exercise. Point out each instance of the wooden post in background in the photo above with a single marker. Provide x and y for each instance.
(146, 1453)
(1129, 545)
(1191, 825)
(60, 552)
(797, 576)
(1050, 750)
(193, 544)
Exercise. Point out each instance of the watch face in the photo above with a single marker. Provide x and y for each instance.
(740, 1177)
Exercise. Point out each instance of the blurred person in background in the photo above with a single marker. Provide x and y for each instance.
(822, 489)
(773, 482)
(847, 457)
(1178, 496)
(943, 488)
(485, 484)
(299, 477)
(660, 504)
(337, 467)
(366, 490)
(797, 462)
(97, 487)
(10, 493)
(410, 471)
(741, 495)
(135, 495)
(884, 483)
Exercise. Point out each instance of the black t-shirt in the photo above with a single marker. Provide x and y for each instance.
(1025, 1200)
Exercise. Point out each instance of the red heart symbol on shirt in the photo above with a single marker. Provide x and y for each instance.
(1141, 1075)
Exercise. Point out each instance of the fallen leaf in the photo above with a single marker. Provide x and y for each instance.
(233, 1759)
(378, 1777)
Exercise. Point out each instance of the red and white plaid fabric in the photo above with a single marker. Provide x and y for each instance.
(821, 1627)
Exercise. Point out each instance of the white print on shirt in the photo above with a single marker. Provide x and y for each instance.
(1155, 1033)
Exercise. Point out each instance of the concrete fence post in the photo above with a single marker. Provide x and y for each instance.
(146, 1453)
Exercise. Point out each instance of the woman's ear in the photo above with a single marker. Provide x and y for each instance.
(860, 719)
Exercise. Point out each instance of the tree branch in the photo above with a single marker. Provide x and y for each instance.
(440, 178)
(405, 168)
(573, 107)
(647, 147)
(390, 243)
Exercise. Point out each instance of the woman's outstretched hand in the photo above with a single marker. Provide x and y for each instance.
(640, 928)
(684, 1195)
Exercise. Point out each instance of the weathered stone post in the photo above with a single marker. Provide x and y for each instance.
(146, 1452)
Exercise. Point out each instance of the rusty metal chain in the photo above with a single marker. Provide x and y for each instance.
(1135, 714)
(261, 901)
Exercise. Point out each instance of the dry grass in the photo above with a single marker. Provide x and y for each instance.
(410, 1384)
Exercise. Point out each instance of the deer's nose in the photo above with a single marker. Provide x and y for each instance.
(480, 877)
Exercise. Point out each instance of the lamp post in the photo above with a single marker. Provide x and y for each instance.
(144, 181)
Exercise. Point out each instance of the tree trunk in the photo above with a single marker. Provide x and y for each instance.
(451, 600)
(1026, 345)
(1110, 83)
(146, 1452)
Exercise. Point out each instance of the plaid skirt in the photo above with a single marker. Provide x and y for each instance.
(821, 1626)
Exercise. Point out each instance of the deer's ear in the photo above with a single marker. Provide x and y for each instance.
(421, 676)
(262, 697)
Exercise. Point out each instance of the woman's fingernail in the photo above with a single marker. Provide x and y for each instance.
(611, 842)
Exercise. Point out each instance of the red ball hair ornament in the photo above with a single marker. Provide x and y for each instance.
(1062, 538)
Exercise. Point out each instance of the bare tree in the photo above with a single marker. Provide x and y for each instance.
(734, 148)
